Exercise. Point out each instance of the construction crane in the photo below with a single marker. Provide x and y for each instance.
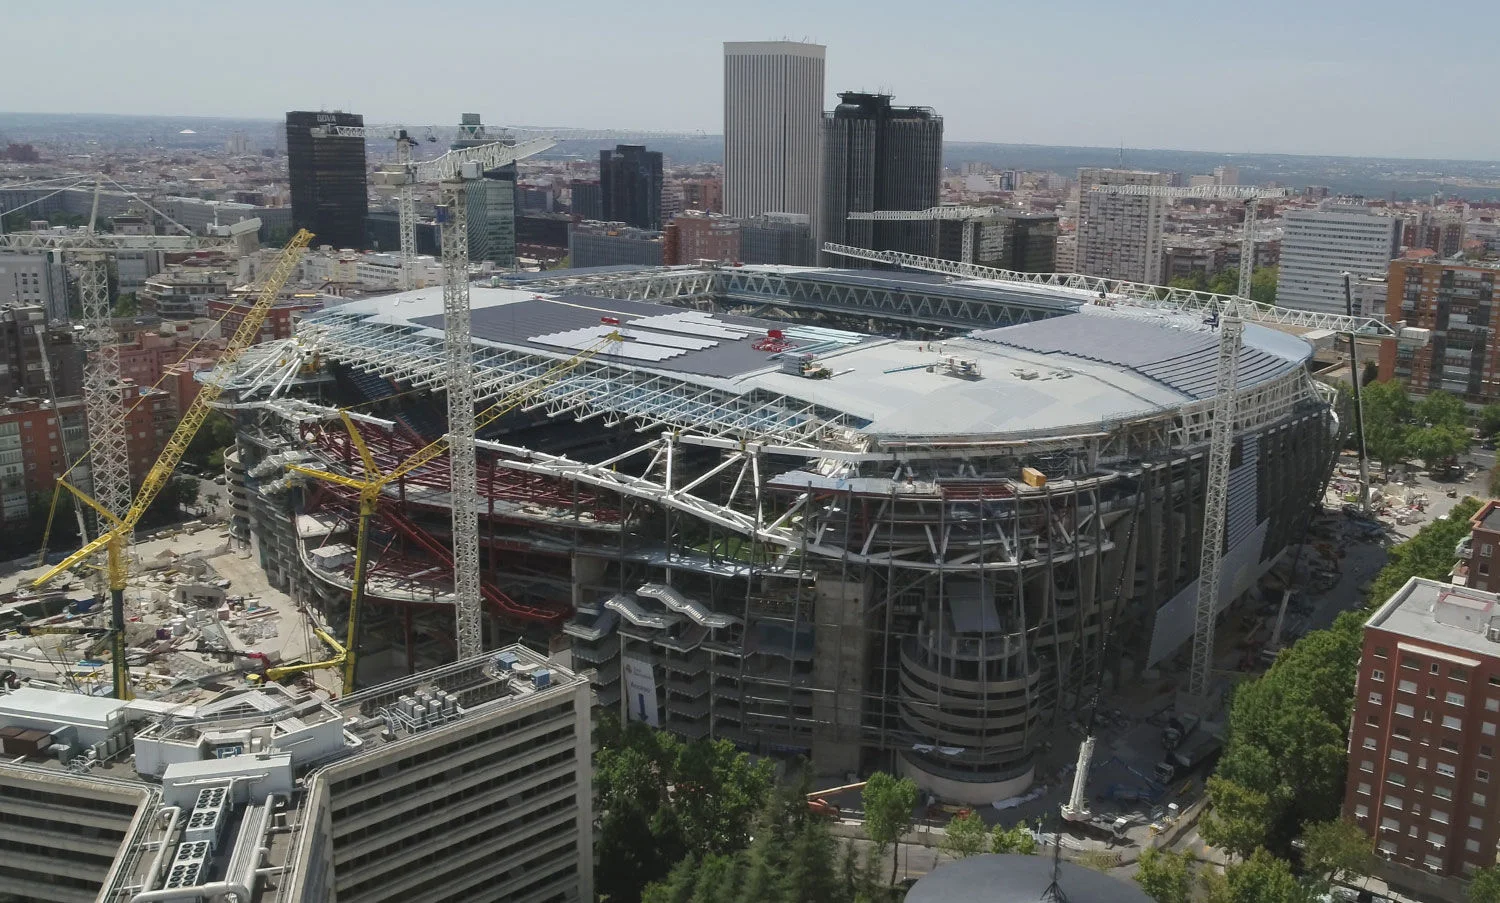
(374, 483)
(1250, 194)
(932, 214)
(103, 389)
(113, 540)
(1230, 313)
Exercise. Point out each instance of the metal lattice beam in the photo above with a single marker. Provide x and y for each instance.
(103, 394)
(458, 351)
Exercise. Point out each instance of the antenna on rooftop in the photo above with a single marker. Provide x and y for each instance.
(1054, 892)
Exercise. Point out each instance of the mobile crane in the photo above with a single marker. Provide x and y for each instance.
(113, 540)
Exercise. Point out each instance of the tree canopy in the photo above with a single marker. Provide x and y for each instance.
(1262, 878)
(1165, 876)
(1227, 282)
(1433, 429)
(1489, 420)
(965, 835)
(1336, 848)
(660, 799)
(1484, 885)
(889, 805)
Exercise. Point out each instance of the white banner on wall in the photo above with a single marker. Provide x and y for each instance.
(640, 691)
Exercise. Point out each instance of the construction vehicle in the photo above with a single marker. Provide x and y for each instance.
(817, 805)
(374, 483)
(1205, 745)
(1179, 728)
(113, 541)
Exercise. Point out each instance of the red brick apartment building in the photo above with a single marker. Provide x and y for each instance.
(1479, 566)
(1423, 781)
(1458, 301)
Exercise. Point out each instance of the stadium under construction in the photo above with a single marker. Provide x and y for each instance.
(878, 518)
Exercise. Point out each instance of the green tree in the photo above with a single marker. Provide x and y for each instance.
(1263, 285)
(1240, 818)
(1387, 413)
(965, 835)
(1015, 839)
(889, 803)
(1442, 409)
(1336, 848)
(216, 435)
(1428, 554)
(1494, 485)
(1484, 885)
(1262, 878)
(1489, 420)
(1370, 374)
(1435, 445)
(127, 305)
(1165, 876)
(660, 799)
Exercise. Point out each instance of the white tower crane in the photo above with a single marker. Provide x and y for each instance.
(103, 392)
(452, 171)
(949, 212)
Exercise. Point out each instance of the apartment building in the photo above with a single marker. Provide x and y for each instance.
(777, 238)
(470, 782)
(593, 244)
(1423, 780)
(280, 320)
(34, 279)
(1458, 301)
(1319, 246)
(1120, 234)
(694, 235)
(32, 349)
(1479, 561)
(183, 292)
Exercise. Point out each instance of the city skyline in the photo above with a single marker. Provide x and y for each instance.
(1203, 82)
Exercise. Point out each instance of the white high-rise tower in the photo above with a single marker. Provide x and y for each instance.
(773, 116)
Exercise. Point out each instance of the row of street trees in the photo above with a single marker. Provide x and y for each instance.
(1227, 282)
(1432, 429)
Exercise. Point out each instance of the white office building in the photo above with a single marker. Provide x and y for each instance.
(773, 117)
(1119, 235)
(469, 782)
(1319, 246)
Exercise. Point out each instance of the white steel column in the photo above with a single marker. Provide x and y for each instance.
(103, 397)
(406, 215)
(1247, 250)
(463, 482)
(1216, 500)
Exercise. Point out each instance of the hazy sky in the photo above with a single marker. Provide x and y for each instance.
(1373, 77)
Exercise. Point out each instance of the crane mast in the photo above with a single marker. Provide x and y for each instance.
(453, 214)
(103, 394)
(406, 214)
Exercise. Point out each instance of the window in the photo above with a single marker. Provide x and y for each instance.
(1486, 751)
(1411, 664)
(1434, 863)
(1392, 801)
(1495, 680)
(1482, 776)
(1471, 845)
(1492, 705)
(1381, 652)
(1475, 823)
(1396, 778)
(1369, 743)
(1366, 765)
(1477, 799)
(1372, 720)
(1399, 756)
(1452, 723)
(1388, 847)
(1457, 673)
(1455, 698)
(1422, 762)
(1363, 789)
(1389, 824)
(1361, 811)
(1485, 549)
(1439, 817)
(1442, 793)
(1436, 839)
(1376, 699)
(1446, 770)
(1488, 729)
(1400, 733)
(1407, 686)
(1435, 668)
(1377, 674)
(1404, 709)
(1447, 745)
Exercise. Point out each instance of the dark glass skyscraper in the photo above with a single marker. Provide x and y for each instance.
(880, 157)
(630, 186)
(328, 179)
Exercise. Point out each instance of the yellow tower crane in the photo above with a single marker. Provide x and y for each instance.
(373, 485)
(112, 541)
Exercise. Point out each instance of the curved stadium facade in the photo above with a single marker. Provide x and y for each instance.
(877, 518)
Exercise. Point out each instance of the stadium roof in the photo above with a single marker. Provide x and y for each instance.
(1068, 374)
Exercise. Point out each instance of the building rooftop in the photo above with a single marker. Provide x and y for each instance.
(1073, 369)
(1013, 878)
(1441, 613)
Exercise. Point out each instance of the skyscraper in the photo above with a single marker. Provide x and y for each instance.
(1119, 235)
(1319, 246)
(630, 186)
(880, 157)
(773, 109)
(327, 175)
